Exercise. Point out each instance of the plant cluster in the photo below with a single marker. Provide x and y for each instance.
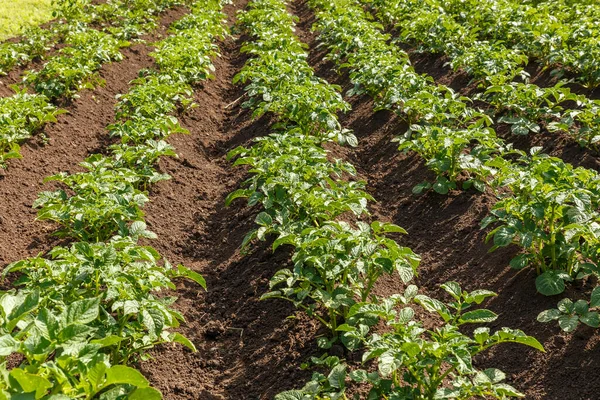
(80, 316)
(454, 138)
(310, 202)
(124, 19)
(76, 66)
(22, 115)
(493, 42)
(35, 43)
(545, 206)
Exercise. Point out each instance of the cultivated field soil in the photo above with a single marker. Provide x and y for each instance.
(253, 349)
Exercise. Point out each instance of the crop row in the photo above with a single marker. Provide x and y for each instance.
(309, 204)
(75, 66)
(125, 19)
(85, 312)
(444, 27)
(545, 206)
(557, 34)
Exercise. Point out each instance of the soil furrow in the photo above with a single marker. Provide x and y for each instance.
(61, 147)
(247, 348)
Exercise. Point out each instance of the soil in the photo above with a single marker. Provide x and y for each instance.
(253, 349)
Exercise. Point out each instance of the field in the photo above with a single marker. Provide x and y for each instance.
(16, 15)
(312, 199)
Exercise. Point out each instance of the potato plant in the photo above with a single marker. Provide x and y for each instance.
(22, 115)
(310, 204)
(75, 68)
(569, 313)
(34, 45)
(81, 314)
(550, 212)
(413, 362)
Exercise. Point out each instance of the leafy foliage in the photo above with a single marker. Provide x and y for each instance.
(550, 213)
(569, 314)
(82, 313)
(310, 203)
(22, 115)
(418, 363)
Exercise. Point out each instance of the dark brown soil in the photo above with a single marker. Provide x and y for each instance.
(251, 349)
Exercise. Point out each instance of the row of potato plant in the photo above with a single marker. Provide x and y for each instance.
(309, 204)
(76, 65)
(80, 316)
(550, 209)
(500, 70)
(562, 35)
(126, 19)
(515, 31)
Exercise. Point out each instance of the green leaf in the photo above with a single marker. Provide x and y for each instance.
(479, 295)
(285, 239)
(240, 193)
(506, 390)
(494, 375)
(481, 335)
(8, 345)
(591, 319)
(29, 304)
(478, 317)
(153, 320)
(568, 323)
(405, 315)
(595, 297)
(82, 311)
(464, 362)
(549, 315)
(290, 395)
(31, 383)
(441, 186)
(520, 261)
(405, 273)
(185, 272)
(75, 332)
(147, 393)
(359, 375)
(264, 219)
(453, 288)
(121, 374)
(434, 305)
(108, 341)
(388, 228)
(337, 377)
(388, 363)
(96, 374)
(504, 236)
(550, 283)
(137, 228)
(179, 338)
(421, 187)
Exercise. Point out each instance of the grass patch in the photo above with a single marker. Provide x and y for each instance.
(18, 14)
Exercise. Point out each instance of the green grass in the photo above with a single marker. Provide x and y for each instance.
(17, 14)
